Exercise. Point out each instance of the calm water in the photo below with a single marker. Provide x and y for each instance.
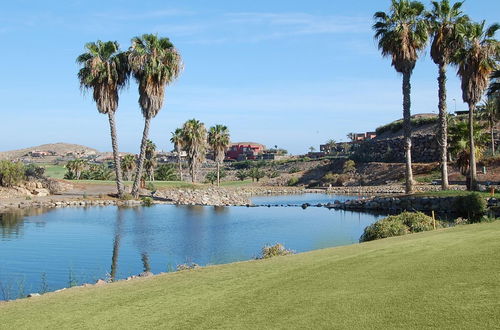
(85, 244)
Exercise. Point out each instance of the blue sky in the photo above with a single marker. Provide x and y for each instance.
(282, 72)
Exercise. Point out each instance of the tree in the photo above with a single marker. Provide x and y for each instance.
(105, 71)
(75, 168)
(218, 139)
(256, 174)
(476, 61)
(444, 20)
(489, 111)
(128, 165)
(194, 136)
(312, 149)
(155, 63)
(402, 35)
(166, 172)
(176, 139)
(241, 175)
(150, 160)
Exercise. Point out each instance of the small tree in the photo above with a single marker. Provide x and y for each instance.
(166, 172)
(11, 173)
(241, 175)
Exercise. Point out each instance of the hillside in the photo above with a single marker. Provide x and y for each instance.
(60, 149)
(441, 279)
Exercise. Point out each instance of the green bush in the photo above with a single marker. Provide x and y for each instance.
(293, 181)
(274, 174)
(242, 175)
(35, 172)
(397, 225)
(166, 172)
(472, 206)
(11, 173)
(293, 170)
(147, 201)
(276, 250)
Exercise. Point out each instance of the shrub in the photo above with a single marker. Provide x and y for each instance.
(256, 174)
(11, 173)
(166, 172)
(471, 206)
(147, 201)
(293, 170)
(187, 266)
(274, 174)
(127, 197)
(150, 186)
(242, 175)
(276, 250)
(35, 172)
(397, 225)
(349, 166)
(292, 181)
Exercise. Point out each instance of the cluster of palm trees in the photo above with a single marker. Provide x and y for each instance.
(194, 139)
(403, 34)
(152, 61)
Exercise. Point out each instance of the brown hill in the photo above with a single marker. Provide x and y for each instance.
(59, 149)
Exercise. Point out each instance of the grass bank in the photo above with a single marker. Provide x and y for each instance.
(441, 279)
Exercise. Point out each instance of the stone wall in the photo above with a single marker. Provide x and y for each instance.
(425, 149)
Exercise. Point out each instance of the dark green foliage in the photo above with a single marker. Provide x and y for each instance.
(274, 174)
(35, 172)
(472, 206)
(147, 201)
(243, 165)
(97, 172)
(212, 176)
(293, 181)
(166, 172)
(397, 225)
(293, 169)
(256, 174)
(11, 173)
(398, 124)
(242, 175)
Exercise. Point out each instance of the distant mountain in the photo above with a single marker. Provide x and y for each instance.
(56, 149)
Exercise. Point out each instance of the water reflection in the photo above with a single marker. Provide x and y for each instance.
(116, 243)
(12, 222)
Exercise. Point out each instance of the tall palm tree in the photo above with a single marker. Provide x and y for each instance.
(105, 70)
(444, 20)
(176, 139)
(128, 165)
(401, 35)
(150, 160)
(476, 61)
(155, 63)
(194, 136)
(218, 139)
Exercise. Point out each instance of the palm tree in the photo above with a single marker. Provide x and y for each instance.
(489, 111)
(155, 63)
(176, 139)
(401, 35)
(128, 165)
(150, 160)
(194, 136)
(105, 70)
(444, 20)
(476, 61)
(76, 167)
(218, 139)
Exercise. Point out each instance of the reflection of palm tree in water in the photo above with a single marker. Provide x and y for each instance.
(116, 243)
(142, 238)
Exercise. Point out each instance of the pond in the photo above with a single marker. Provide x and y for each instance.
(50, 249)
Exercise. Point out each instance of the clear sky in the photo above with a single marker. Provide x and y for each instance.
(291, 73)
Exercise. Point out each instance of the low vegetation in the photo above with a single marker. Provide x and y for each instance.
(398, 225)
(276, 250)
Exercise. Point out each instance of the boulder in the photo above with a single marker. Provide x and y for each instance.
(41, 192)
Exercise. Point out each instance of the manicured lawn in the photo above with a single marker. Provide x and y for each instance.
(442, 279)
(54, 171)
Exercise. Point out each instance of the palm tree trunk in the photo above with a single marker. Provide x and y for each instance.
(443, 127)
(407, 130)
(180, 165)
(218, 174)
(116, 156)
(116, 246)
(492, 132)
(472, 161)
(142, 156)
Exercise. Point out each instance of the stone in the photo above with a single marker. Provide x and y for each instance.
(100, 282)
(41, 192)
(31, 295)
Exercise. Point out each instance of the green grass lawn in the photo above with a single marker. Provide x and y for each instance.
(442, 279)
(54, 171)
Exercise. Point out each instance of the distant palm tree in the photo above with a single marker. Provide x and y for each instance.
(105, 70)
(489, 111)
(194, 136)
(155, 63)
(476, 61)
(128, 166)
(444, 20)
(401, 35)
(176, 139)
(76, 167)
(218, 139)
(150, 160)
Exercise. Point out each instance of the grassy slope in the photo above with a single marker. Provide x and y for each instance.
(447, 279)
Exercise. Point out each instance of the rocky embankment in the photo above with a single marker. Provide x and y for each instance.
(384, 189)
